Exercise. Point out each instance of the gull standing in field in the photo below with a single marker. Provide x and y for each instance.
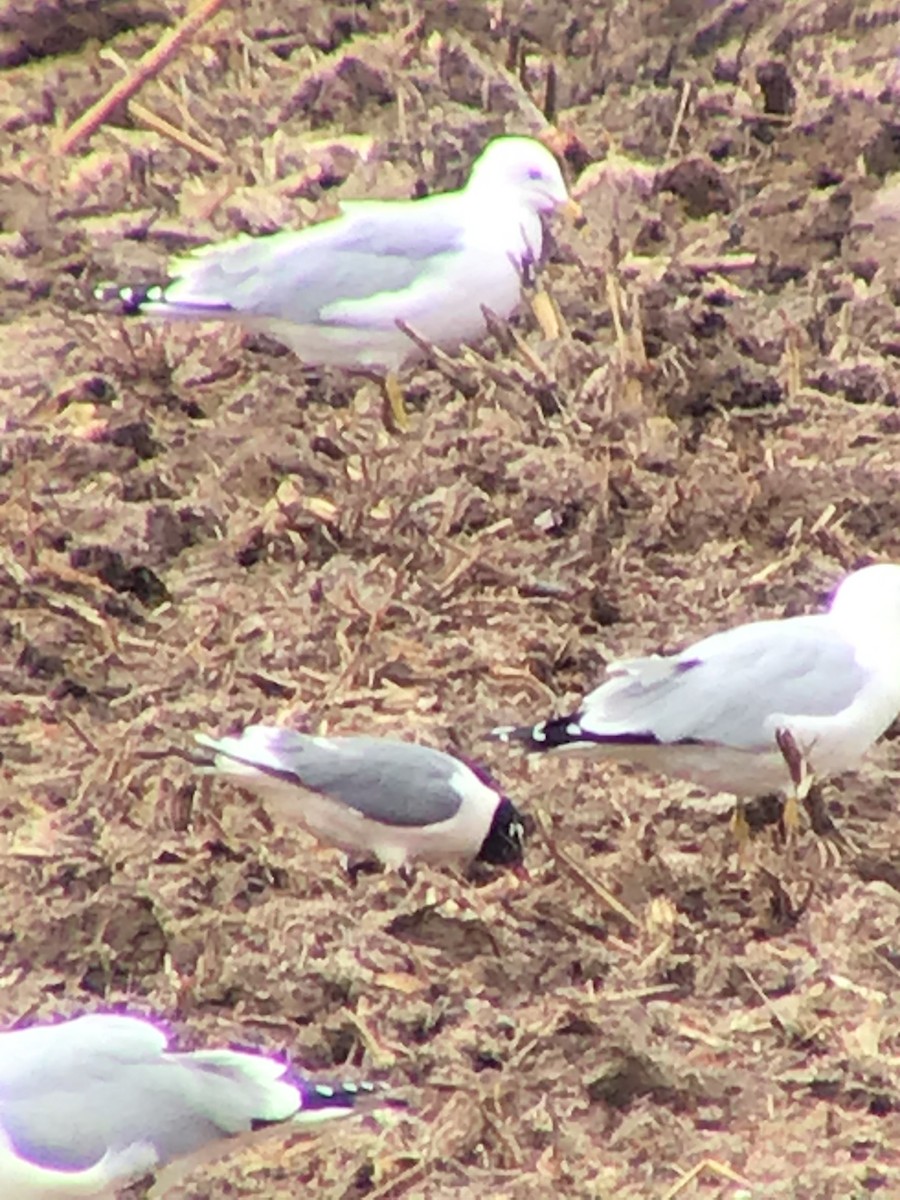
(394, 801)
(90, 1104)
(335, 292)
(736, 712)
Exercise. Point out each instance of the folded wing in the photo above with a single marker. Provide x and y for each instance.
(392, 782)
(731, 689)
(307, 276)
(99, 1098)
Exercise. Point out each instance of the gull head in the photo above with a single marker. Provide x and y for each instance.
(524, 167)
(869, 599)
(504, 845)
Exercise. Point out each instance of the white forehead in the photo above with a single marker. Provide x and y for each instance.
(517, 155)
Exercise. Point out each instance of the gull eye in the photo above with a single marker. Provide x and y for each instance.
(535, 173)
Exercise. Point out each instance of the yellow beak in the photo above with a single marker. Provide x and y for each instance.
(573, 212)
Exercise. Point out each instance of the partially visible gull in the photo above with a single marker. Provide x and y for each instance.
(334, 292)
(90, 1104)
(394, 801)
(716, 714)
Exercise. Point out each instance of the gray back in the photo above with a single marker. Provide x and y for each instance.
(374, 247)
(725, 688)
(396, 783)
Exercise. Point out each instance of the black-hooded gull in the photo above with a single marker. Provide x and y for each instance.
(395, 801)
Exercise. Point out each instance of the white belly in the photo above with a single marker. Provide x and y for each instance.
(449, 314)
(445, 306)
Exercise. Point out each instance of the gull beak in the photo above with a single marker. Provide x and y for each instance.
(573, 212)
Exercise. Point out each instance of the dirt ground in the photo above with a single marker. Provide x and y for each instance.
(196, 532)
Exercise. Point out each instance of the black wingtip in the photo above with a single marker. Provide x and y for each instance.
(346, 1094)
(545, 735)
(336, 1099)
(131, 296)
(567, 733)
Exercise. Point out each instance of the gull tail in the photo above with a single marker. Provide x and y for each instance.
(253, 753)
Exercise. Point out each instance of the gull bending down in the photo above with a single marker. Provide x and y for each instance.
(394, 801)
(717, 713)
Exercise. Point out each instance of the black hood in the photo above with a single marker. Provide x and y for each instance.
(505, 842)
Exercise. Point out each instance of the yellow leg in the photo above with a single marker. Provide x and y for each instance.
(740, 826)
(801, 779)
(790, 814)
(396, 418)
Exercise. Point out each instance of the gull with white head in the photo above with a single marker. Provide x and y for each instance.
(335, 292)
(722, 712)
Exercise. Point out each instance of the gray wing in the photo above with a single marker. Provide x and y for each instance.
(374, 247)
(726, 688)
(396, 783)
(72, 1093)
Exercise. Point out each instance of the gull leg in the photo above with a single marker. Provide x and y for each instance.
(790, 815)
(396, 419)
(740, 825)
(808, 792)
(801, 779)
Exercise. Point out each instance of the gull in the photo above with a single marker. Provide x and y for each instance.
(90, 1104)
(394, 801)
(736, 711)
(338, 292)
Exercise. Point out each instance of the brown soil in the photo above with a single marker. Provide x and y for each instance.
(196, 532)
